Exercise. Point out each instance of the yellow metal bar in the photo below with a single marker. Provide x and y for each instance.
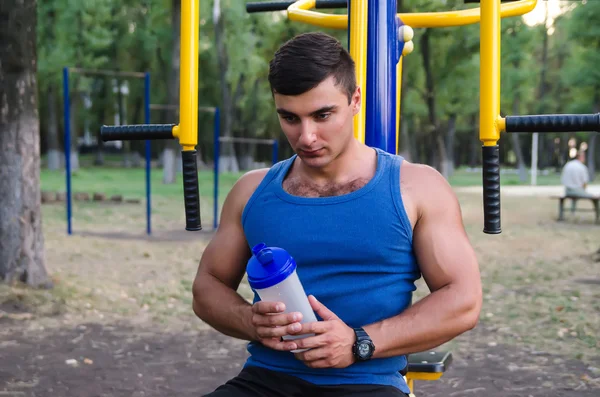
(358, 51)
(424, 375)
(489, 73)
(501, 123)
(411, 384)
(188, 75)
(398, 95)
(463, 17)
(300, 11)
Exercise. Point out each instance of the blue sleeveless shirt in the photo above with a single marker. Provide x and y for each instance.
(354, 254)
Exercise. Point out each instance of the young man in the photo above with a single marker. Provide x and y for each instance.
(363, 225)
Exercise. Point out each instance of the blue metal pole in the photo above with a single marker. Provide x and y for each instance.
(148, 154)
(275, 151)
(383, 55)
(67, 143)
(217, 135)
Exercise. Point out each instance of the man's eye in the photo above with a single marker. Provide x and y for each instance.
(289, 119)
(323, 116)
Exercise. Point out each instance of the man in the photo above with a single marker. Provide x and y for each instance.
(363, 225)
(575, 176)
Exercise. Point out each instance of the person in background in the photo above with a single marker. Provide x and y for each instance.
(575, 178)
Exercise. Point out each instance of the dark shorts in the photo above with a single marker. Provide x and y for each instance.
(260, 382)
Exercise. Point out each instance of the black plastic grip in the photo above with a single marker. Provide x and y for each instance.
(140, 132)
(491, 189)
(265, 6)
(191, 194)
(553, 123)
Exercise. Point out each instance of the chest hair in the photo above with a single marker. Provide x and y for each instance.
(302, 188)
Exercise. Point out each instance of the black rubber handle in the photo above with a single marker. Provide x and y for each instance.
(191, 194)
(553, 123)
(491, 189)
(140, 132)
(264, 6)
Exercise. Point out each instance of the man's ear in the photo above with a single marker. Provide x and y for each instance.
(356, 100)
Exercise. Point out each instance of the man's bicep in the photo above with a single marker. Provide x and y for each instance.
(225, 257)
(443, 250)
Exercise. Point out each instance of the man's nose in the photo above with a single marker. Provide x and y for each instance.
(308, 135)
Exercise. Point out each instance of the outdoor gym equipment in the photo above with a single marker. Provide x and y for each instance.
(378, 56)
(67, 134)
(187, 130)
(378, 39)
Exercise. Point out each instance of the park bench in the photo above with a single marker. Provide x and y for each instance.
(429, 365)
(561, 203)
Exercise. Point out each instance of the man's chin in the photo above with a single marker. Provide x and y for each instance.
(314, 161)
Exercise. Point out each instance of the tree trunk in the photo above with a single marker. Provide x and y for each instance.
(438, 139)
(22, 242)
(591, 151)
(172, 148)
(516, 144)
(450, 134)
(54, 153)
(227, 159)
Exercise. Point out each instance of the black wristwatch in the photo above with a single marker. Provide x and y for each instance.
(363, 347)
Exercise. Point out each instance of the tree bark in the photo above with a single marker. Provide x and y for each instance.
(431, 105)
(450, 135)
(54, 153)
(172, 147)
(22, 242)
(228, 160)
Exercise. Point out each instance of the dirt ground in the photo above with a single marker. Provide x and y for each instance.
(118, 321)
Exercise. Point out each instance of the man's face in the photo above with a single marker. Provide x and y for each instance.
(318, 124)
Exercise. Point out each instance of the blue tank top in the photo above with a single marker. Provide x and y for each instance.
(354, 253)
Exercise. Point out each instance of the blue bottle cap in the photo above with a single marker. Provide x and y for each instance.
(268, 266)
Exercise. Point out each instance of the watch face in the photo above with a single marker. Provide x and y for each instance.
(364, 350)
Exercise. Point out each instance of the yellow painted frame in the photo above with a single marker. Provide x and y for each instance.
(358, 52)
(301, 12)
(187, 130)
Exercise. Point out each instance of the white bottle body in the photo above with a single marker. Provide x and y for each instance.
(291, 292)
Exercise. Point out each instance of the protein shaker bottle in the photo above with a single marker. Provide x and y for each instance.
(272, 274)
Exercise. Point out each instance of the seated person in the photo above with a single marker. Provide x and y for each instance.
(575, 177)
(362, 224)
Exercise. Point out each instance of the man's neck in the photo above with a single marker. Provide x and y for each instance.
(350, 164)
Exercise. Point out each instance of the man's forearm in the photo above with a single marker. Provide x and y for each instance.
(223, 309)
(434, 320)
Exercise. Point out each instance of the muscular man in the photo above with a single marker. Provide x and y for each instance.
(362, 224)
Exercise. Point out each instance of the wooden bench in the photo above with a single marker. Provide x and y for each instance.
(561, 203)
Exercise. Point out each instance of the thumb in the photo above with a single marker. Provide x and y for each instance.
(321, 310)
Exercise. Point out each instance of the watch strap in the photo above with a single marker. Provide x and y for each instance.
(361, 335)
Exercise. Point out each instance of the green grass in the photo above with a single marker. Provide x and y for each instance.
(130, 182)
(462, 177)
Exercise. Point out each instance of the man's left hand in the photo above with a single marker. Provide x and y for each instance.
(331, 347)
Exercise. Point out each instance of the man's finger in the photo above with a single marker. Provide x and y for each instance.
(312, 342)
(277, 344)
(272, 332)
(321, 310)
(318, 327)
(268, 307)
(276, 319)
(312, 354)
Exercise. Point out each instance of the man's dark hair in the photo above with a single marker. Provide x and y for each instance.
(308, 59)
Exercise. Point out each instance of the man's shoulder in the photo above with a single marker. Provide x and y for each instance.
(421, 176)
(424, 187)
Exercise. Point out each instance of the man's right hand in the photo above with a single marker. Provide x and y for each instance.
(270, 324)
